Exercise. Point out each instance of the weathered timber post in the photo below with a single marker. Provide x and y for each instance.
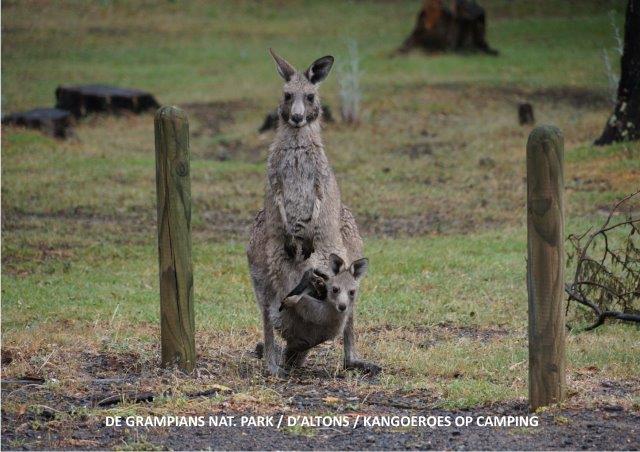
(545, 266)
(173, 186)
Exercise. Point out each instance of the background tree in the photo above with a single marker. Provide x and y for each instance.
(624, 123)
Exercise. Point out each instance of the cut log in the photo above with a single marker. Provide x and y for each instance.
(84, 99)
(459, 25)
(52, 121)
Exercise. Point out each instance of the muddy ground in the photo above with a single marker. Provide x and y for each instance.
(604, 427)
(42, 412)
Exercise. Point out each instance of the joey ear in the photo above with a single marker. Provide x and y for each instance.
(319, 69)
(336, 264)
(285, 69)
(359, 268)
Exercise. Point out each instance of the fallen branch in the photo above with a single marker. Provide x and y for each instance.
(141, 397)
(131, 398)
(607, 277)
(25, 380)
(602, 315)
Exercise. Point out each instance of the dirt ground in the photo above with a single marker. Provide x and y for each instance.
(601, 427)
(45, 413)
(592, 430)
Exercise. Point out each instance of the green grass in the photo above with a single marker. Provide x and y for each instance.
(415, 287)
(214, 50)
(426, 278)
(78, 242)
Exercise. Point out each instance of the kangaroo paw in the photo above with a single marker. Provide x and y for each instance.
(365, 367)
(289, 302)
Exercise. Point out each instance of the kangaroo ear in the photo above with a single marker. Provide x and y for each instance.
(336, 264)
(319, 69)
(285, 70)
(359, 268)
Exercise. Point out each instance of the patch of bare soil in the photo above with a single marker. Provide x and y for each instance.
(37, 413)
(430, 336)
(430, 222)
(211, 116)
(46, 425)
(13, 219)
(226, 224)
(576, 97)
(139, 226)
(134, 226)
(236, 150)
(587, 430)
(426, 146)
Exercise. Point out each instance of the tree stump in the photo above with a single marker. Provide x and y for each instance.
(83, 99)
(51, 121)
(624, 123)
(525, 114)
(459, 25)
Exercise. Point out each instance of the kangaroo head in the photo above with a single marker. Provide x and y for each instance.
(344, 282)
(300, 104)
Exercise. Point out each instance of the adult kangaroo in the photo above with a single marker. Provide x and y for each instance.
(303, 224)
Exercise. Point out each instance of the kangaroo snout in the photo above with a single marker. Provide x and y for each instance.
(342, 307)
(297, 118)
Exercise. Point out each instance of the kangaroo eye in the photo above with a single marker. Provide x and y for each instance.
(336, 290)
(310, 97)
(352, 293)
(287, 96)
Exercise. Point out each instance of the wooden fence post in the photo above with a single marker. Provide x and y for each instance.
(173, 185)
(545, 266)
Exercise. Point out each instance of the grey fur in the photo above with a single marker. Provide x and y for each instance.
(308, 321)
(303, 222)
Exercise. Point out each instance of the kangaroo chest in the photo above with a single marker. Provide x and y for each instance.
(299, 170)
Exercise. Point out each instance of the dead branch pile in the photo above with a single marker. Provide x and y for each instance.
(606, 282)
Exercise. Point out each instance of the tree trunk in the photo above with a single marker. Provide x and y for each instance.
(624, 123)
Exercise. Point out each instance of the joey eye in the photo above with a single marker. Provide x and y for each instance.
(336, 290)
(352, 293)
(310, 97)
(287, 96)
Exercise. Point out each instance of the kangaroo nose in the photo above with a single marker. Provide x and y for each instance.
(297, 118)
(342, 307)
